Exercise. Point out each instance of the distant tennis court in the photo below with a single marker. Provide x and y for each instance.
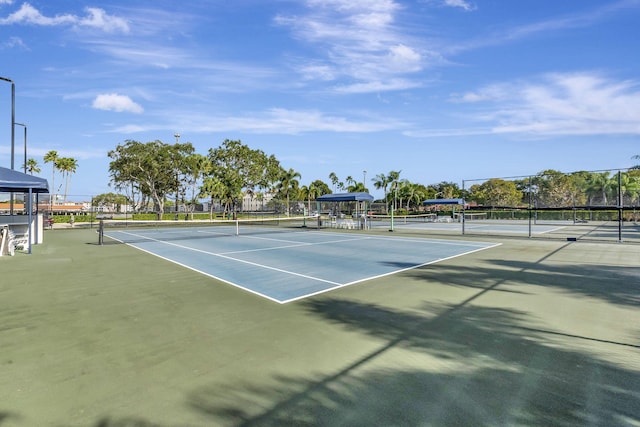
(288, 262)
(472, 224)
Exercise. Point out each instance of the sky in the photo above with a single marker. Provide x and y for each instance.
(441, 90)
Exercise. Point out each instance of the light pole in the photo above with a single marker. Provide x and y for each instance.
(364, 180)
(13, 132)
(25, 144)
(13, 117)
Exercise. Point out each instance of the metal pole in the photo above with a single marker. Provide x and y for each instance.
(620, 205)
(30, 227)
(530, 191)
(395, 194)
(13, 136)
(463, 209)
(25, 144)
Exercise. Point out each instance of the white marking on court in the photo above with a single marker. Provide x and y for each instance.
(390, 273)
(294, 245)
(231, 258)
(335, 285)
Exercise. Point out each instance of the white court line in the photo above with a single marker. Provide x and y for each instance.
(389, 273)
(335, 286)
(231, 258)
(294, 245)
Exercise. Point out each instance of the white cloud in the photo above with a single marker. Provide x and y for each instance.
(117, 103)
(460, 3)
(556, 104)
(577, 104)
(358, 41)
(98, 18)
(378, 86)
(272, 121)
(95, 18)
(14, 42)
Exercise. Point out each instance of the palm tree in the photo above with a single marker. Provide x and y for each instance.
(288, 183)
(309, 193)
(636, 157)
(334, 180)
(382, 181)
(52, 157)
(350, 181)
(393, 178)
(599, 184)
(213, 188)
(32, 166)
(67, 165)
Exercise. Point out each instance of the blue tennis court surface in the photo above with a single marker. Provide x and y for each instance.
(287, 266)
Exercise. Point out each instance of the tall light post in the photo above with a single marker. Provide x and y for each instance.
(13, 117)
(25, 144)
(364, 180)
(13, 132)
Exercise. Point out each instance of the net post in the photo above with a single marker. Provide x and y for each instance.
(237, 227)
(462, 209)
(620, 206)
(530, 212)
(101, 232)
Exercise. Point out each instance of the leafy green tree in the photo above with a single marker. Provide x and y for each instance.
(555, 189)
(214, 189)
(446, 190)
(145, 167)
(496, 192)
(240, 168)
(196, 167)
(633, 187)
(111, 202)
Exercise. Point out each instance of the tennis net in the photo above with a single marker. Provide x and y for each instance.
(200, 229)
(385, 220)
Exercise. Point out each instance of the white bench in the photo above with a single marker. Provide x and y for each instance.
(12, 241)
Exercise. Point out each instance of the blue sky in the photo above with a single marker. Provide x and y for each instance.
(443, 90)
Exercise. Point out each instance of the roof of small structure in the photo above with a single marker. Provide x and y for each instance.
(443, 202)
(346, 197)
(18, 182)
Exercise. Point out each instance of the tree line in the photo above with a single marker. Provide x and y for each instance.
(156, 173)
(66, 166)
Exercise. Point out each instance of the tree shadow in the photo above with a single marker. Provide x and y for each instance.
(499, 374)
(4, 416)
(616, 285)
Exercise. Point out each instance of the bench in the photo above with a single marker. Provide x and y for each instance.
(13, 241)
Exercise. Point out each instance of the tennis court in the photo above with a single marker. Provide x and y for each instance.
(530, 332)
(433, 222)
(288, 263)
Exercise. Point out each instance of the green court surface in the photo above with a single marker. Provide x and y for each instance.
(531, 332)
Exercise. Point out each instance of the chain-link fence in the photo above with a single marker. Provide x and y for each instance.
(600, 205)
